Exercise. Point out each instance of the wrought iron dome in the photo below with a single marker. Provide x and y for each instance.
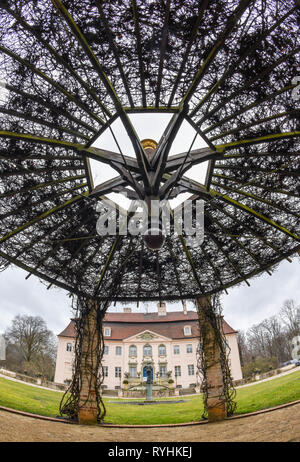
(70, 70)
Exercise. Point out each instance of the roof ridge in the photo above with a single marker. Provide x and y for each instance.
(172, 328)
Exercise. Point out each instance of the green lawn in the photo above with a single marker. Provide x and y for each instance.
(260, 396)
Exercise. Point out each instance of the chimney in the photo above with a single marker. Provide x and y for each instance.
(127, 310)
(161, 309)
(184, 307)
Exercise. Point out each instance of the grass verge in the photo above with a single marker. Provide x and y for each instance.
(249, 399)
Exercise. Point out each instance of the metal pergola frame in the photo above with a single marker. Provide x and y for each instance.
(250, 192)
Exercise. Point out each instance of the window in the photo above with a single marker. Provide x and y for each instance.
(187, 330)
(177, 371)
(106, 349)
(147, 350)
(118, 372)
(118, 350)
(189, 348)
(162, 371)
(132, 350)
(191, 370)
(162, 350)
(105, 371)
(107, 331)
(176, 350)
(69, 347)
(132, 371)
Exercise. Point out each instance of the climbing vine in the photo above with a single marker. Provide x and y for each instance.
(211, 333)
(88, 374)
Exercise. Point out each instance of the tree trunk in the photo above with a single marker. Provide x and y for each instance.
(215, 389)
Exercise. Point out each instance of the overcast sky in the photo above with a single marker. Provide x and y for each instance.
(243, 306)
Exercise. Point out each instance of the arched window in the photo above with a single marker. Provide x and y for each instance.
(118, 350)
(187, 330)
(107, 332)
(147, 350)
(162, 350)
(132, 350)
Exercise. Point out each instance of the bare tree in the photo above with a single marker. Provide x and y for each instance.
(271, 339)
(290, 316)
(245, 354)
(257, 341)
(275, 339)
(31, 336)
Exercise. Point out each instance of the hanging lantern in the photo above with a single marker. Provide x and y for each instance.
(153, 236)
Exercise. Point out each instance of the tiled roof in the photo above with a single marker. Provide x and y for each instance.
(151, 317)
(124, 325)
(69, 331)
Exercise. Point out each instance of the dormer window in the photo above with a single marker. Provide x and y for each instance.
(107, 332)
(187, 330)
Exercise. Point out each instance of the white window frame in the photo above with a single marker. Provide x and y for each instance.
(189, 347)
(162, 367)
(135, 348)
(191, 367)
(165, 350)
(118, 371)
(189, 330)
(107, 331)
(147, 346)
(118, 348)
(175, 347)
(135, 374)
(176, 370)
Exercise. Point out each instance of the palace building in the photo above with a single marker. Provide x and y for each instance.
(165, 340)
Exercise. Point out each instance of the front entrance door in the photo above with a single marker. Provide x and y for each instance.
(145, 374)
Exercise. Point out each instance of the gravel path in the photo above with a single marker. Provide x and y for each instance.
(277, 426)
